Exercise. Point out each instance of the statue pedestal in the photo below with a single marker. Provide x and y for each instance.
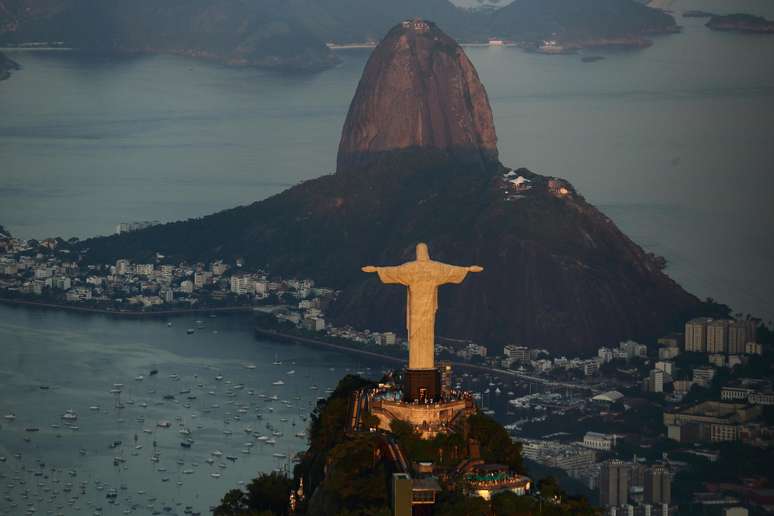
(422, 385)
(427, 419)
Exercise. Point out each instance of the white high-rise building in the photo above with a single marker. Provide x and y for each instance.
(656, 381)
(696, 334)
(717, 336)
(515, 353)
(122, 266)
(242, 284)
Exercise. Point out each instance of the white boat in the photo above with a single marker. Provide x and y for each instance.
(278, 382)
(9, 417)
(70, 415)
(215, 475)
(279, 455)
(292, 371)
(250, 366)
(217, 453)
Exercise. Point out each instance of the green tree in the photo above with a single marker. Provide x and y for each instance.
(496, 444)
(357, 475)
(457, 504)
(511, 504)
(269, 493)
(549, 489)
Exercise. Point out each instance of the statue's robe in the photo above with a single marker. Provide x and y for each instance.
(422, 277)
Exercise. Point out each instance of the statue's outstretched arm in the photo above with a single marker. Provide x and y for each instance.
(456, 274)
(388, 274)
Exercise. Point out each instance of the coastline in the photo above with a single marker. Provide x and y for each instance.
(118, 313)
(279, 336)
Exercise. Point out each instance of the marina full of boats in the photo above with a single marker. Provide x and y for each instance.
(164, 436)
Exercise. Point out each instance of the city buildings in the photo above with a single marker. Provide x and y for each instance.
(614, 483)
(598, 441)
(720, 336)
(703, 376)
(696, 334)
(717, 336)
(656, 381)
(516, 354)
(709, 421)
(242, 284)
(658, 485)
(126, 227)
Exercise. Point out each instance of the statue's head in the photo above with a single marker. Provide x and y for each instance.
(423, 255)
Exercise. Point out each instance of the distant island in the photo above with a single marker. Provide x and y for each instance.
(741, 22)
(6, 65)
(298, 36)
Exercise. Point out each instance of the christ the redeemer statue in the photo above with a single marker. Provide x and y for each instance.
(423, 276)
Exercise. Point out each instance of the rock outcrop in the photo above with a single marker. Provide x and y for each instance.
(558, 273)
(419, 91)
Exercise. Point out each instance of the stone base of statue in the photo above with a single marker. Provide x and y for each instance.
(420, 402)
(422, 385)
(428, 419)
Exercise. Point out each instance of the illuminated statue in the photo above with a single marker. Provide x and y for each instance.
(423, 276)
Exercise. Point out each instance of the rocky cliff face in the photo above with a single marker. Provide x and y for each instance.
(558, 273)
(419, 91)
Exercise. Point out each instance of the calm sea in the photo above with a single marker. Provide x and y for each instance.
(673, 142)
(222, 381)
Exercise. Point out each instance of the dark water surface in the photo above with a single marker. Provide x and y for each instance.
(81, 358)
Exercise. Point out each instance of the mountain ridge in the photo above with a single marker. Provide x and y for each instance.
(291, 35)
